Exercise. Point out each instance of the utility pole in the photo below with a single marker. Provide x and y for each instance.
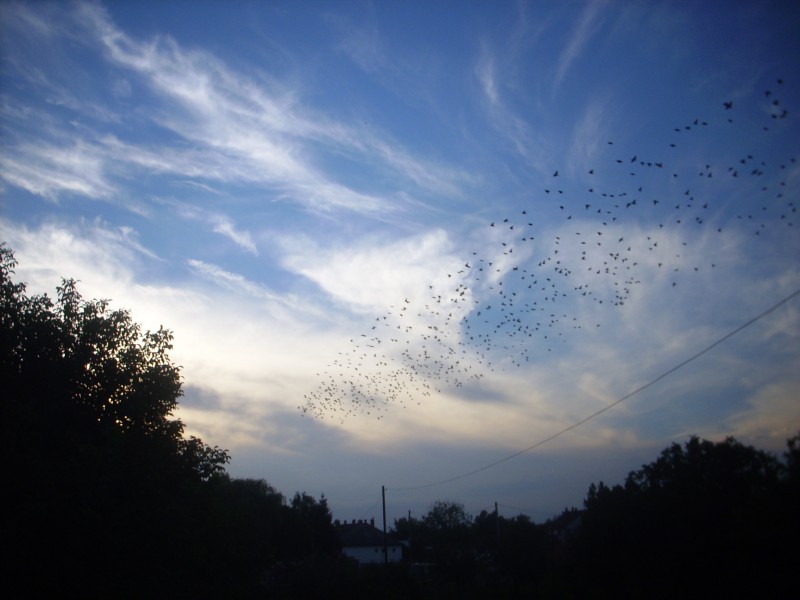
(410, 540)
(385, 547)
(497, 524)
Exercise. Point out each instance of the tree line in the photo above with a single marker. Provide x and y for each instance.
(106, 497)
(705, 519)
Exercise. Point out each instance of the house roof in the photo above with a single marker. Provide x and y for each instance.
(363, 534)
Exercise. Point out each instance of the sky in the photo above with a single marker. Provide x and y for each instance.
(468, 251)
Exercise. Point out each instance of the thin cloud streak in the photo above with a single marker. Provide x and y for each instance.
(239, 128)
(266, 128)
(503, 120)
(50, 171)
(584, 29)
(281, 307)
(219, 223)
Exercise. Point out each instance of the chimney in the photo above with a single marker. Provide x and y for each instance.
(372, 521)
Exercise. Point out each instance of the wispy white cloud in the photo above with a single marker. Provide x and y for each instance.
(216, 125)
(515, 129)
(54, 250)
(589, 135)
(486, 76)
(50, 170)
(584, 29)
(263, 127)
(243, 239)
(282, 307)
(361, 43)
(219, 223)
(232, 281)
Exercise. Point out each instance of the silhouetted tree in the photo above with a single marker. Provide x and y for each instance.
(242, 533)
(106, 497)
(510, 551)
(446, 538)
(792, 456)
(446, 516)
(102, 484)
(406, 528)
(311, 525)
(703, 518)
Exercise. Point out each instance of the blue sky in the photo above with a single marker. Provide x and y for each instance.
(398, 242)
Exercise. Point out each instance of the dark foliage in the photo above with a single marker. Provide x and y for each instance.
(458, 556)
(704, 519)
(105, 496)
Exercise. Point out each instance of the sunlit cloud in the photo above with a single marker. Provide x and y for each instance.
(372, 276)
(772, 417)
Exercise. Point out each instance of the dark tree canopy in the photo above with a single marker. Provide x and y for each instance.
(704, 518)
(78, 360)
(445, 516)
(102, 480)
(106, 497)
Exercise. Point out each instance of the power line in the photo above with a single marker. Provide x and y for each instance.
(371, 510)
(613, 404)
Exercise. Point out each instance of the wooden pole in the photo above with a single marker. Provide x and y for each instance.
(497, 524)
(385, 547)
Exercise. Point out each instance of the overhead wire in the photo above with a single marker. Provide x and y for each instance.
(370, 510)
(599, 412)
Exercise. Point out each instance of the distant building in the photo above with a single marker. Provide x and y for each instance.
(363, 542)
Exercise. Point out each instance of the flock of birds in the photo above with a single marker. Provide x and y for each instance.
(515, 298)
